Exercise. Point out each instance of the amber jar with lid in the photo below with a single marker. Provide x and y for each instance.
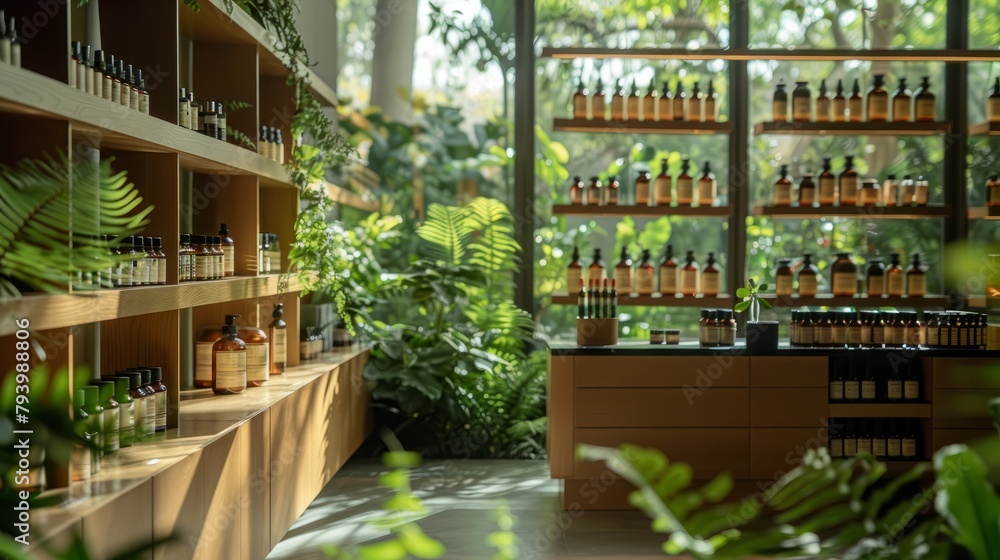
(808, 277)
(779, 104)
(784, 278)
(844, 276)
(869, 193)
(875, 278)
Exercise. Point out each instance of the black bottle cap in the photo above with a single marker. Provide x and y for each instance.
(224, 229)
(138, 242)
(98, 59)
(75, 49)
(157, 243)
(129, 77)
(85, 55)
(139, 82)
(156, 373)
(134, 378)
(148, 242)
(147, 375)
(109, 66)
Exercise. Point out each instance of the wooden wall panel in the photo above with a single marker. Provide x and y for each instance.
(122, 525)
(277, 106)
(256, 443)
(179, 509)
(228, 72)
(709, 451)
(949, 437)
(650, 371)
(775, 451)
(963, 409)
(294, 460)
(789, 371)
(225, 484)
(279, 207)
(559, 409)
(716, 407)
(785, 408)
(966, 373)
(230, 199)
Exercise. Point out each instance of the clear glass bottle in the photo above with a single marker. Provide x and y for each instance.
(668, 273)
(642, 189)
(916, 278)
(783, 188)
(665, 104)
(875, 278)
(662, 186)
(690, 276)
(623, 273)
(844, 276)
(779, 104)
(258, 355)
(808, 277)
(807, 191)
(152, 379)
(228, 251)
(707, 187)
(848, 183)
(877, 101)
(140, 262)
(229, 361)
(822, 103)
(827, 195)
(277, 335)
(126, 437)
(685, 185)
(112, 416)
(710, 277)
(81, 462)
(902, 103)
(644, 275)
(92, 406)
(783, 283)
(145, 405)
(838, 106)
(801, 102)
(924, 102)
(576, 191)
(161, 262)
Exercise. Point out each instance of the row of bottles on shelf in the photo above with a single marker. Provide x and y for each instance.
(661, 192)
(596, 301)
(206, 257)
(107, 78)
(641, 278)
(906, 106)
(875, 379)
(206, 117)
(633, 105)
(849, 189)
(879, 281)
(136, 261)
(717, 327)
(885, 439)
(888, 329)
(10, 46)
(270, 144)
(115, 412)
(233, 357)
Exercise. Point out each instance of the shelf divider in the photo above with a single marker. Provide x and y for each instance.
(985, 129)
(881, 410)
(859, 212)
(852, 128)
(646, 127)
(621, 211)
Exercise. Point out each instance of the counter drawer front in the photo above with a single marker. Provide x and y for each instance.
(949, 437)
(709, 451)
(965, 373)
(788, 408)
(789, 371)
(716, 407)
(662, 371)
(963, 409)
(775, 451)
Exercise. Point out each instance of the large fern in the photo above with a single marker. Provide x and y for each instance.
(51, 212)
(446, 230)
(494, 251)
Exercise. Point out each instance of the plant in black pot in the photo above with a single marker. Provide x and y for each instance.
(762, 336)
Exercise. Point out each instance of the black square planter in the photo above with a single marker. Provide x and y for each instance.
(762, 338)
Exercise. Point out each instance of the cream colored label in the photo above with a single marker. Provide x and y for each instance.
(827, 190)
(868, 389)
(878, 107)
(203, 361)
(836, 390)
(909, 446)
(869, 197)
(666, 111)
(822, 109)
(644, 280)
(685, 191)
(662, 189)
(836, 448)
(876, 285)
(642, 192)
(710, 283)
(145, 417)
(709, 113)
(258, 362)
(573, 276)
(878, 447)
(807, 285)
(694, 109)
(852, 391)
(579, 106)
(112, 428)
(838, 110)
(845, 283)
(807, 196)
(839, 335)
(596, 273)
(806, 335)
(133, 99)
(849, 190)
(897, 336)
(184, 114)
(144, 103)
(229, 259)
(780, 111)
(623, 279)
(280, 337)
(648, 108)
(711, 334)
(668, 281)
(727, 335)
(782, 194)
(140, 272)
(894, 390)
(783, 285)
(597, 107)
(850, 447)
(127, 415)
(901, 108)
(917, 285)
(854, 109)
(893, 448)
(800, 109)
(160, 402)
(125, 92)
(154, 270)
(202, 265)
(993, 109)
(864, 445)
(911, 390)
(894, 284)
(926, 109)
(678, 110)
(825, 336)
(161, 271)
(220, 265)
(81, 78)
(878, 335)
(689, 282)
(231, 369)
(706, 192)
(106, 88)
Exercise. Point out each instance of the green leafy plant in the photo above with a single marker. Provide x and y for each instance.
(241, 138)
(38, 250)
(750, 299)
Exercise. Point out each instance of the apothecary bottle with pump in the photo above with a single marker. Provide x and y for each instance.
(808, 277)
(779, 104)
(690, 276)
(877, 101)
(258, 355)
(668, 273)
(916, 278)
(644, 275)
(685, 185)
(783, 188)
(228, 251)
(902, 103)
(848, 183)
(277, 335)
(229, 360)
(710, 277)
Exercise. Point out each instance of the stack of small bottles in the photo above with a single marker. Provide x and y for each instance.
(906, 106)
(312, 343)
(849, 189)
(630, 104)
(270, 144)
(108, 79)
(206, 117)
(639, 278)
(269, 253)
(10, 47)
(880, 281)
(875, 379)
(135, 261)
(233, 357)
(117, 411)
(206, 257)
(888, 329)
(717, 327)
(886, 439)
(660, 193)
(596, 301)
(956, 329)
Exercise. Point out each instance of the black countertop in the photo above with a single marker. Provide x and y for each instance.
(691, 348)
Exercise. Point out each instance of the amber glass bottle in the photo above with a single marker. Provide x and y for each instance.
(662, 186)
(644, 275)
(611, 191)
(229, 361)
(665, 104)
(707, 187)
(875, 278)
(848, 183)
(258, 355)
(916, 278)
(807, 191)
(679, 102)
(690, 276)
(924, 102)
(576, 191)
(594, 192)
(993, 191)
(633, 104)
(277, 335)
(822, 103)
(878, 101)
(642, 189)
(596, 271)
(598, 108)
(902, 103)
(783, 188)
(649, 103)
(993, 103)
(623, 273)
(711, 96)
(694, 105)
(827, 185)
(844, 276)
(801, 102)
(574, 272)
(838, 106)
(894, 277)
(783, 278)
(779, 104)
(685, 185)
(710, 276)
(668, 273)
(808, 277)
(855, 103)
(207, 337)
(618, 103)
(580, 109)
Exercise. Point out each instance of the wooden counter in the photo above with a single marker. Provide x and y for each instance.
(719, 409)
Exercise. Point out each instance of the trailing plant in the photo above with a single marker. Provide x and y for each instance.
(750, 299)
(40, 249)
(241, 138)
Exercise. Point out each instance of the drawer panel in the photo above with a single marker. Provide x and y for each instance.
(789, 371)
(788, 408)
(717, 407)
(963, 409)
(662, 371)
(775, 451)
(709, 451)
(965, 373)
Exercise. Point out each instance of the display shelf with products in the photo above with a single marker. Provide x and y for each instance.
(820, 55)
(830, 300)
(800, 128)
(622, 210)
(657, 300)
(649, 127)
(859, 212)
(985, 129)
(881, 410)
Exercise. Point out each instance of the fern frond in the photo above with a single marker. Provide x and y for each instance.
(446, 230)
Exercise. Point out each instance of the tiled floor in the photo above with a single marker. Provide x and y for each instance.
(461, 497)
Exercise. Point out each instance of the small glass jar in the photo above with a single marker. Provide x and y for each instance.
(672, 336)
(657, 336)
(869, 195)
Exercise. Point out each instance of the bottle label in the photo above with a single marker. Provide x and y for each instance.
(868, 389)
(836, 447)
(845, 283)
(184, 114)
(145, 419)
(644, 280)
(712, 335)
(827, 190)
(140, 272)
(807, 196)
(666, 109)
(925, 109)
(120, 274)
(279, 336)
(106, 89)
(993, 109)
(595, 273)
(258, 362)
(864, 445)
(597, 106)
(710, 283)
(807, 285)
(230, 369)
(806, 335)
(782, 194)
(911, 390)
(895, 284)
(685, 191)
(143, 103)
(800, 109)
(913, 337)
(836, 390)
(127, 422)
(112, 429)
(706, 192)
(878, 447)
(689, 282)
(642, 192)
(917, 284)
(694, 109)
(850, 447)
(81, 463)
(893, 447)
(878, 335)
(849, 190)
(154, 270)
(839, 110)
(573, 276)
(854, 109)
(133, 99)
(229, 258)
(727, 335)
(668, 280)
(852, 390)
(617, 107)
(648, 107)
(780, 111)
(822, 109)
(202, 267)
(203, 361)
(854, 335)
(933, 334)
(663, 194)
(579, 106)
(839, 335)
(876, 285)
(125, 92)
(909, 446)
(783, 285)
(878, 107)
(894, 390)
(901, 108)
(623, 280)
(678, 109)
(160, 413)
(161, 271)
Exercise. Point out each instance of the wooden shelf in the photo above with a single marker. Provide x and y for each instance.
(882, 55)
(657, 300)
(829, 300)
(59, 311)
(621, 211)
(984, 129)
(984, 213)
(859, 212)
(853, 128)
(641, 127)
(881, 410)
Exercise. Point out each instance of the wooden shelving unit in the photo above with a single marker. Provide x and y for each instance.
(984, 129)
(658, 300)
(640, 127)
(881, 410)
(853, 128)
(621, 211)
(879, 55)
(984, 213)
(829, 300)
(857, 212)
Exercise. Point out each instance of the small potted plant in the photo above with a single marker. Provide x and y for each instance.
(762, 336)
